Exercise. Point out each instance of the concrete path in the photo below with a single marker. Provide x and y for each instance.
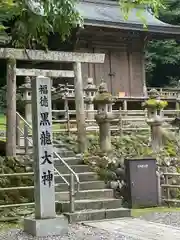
(138, 229)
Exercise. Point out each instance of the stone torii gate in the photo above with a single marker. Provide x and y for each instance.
(13, 55)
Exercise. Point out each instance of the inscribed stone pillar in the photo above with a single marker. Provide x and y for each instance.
(45, 222)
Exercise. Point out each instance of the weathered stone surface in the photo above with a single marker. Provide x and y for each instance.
(114, 185)
(98, 214)
(120, 173)
(44, 72)
(139, 229)
(51, 56)
(11, 109)
(46, 227)
(79, 102)
(104, 101)
(43, 148)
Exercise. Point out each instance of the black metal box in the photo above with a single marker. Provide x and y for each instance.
(142, 185)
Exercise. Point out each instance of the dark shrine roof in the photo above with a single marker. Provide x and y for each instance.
(108, 14)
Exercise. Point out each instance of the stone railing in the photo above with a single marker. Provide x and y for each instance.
(167, 92)
(172, 93)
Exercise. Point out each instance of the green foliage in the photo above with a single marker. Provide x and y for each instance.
(30, 22)
(155, 5)
(170, 13)
(167, 52)
(163, 56)
(110, 166)
(14, 165)
(133, 145)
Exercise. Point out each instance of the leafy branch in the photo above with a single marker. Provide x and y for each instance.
(30, 22)
(128, 5)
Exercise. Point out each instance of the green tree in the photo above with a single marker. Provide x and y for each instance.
(163, 57)
(171, 13)
(29, 22)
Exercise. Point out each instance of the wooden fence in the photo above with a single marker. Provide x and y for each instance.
(167, 186)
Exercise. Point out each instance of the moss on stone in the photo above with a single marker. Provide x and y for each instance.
(103, 98)
(155, 104)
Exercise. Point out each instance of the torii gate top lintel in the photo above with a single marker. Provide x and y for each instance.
(51, 56)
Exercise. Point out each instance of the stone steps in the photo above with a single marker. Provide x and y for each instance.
(94, 201)
(83, 186)
(69, 160)
(65, 153)
(97, 214)
(99, 203)
(78, 168)
(62, 152)
(86, 194)
(60, 145)
(85, 176)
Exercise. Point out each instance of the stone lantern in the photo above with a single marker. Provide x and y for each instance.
(153, 105)
(104, 116)
(90, 92)
(26, 95)
(155, 118)
(64, 92)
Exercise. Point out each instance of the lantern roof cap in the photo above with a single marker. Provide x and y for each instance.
(26, 85)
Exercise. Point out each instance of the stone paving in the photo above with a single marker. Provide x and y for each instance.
(138, 229)
(119, 229)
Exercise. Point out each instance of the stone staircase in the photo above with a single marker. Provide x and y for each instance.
(94, 201)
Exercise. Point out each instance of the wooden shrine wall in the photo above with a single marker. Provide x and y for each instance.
(123, 68)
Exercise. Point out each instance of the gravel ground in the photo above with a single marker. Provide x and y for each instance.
(81, 232)
(76, 232)
(168, 218)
